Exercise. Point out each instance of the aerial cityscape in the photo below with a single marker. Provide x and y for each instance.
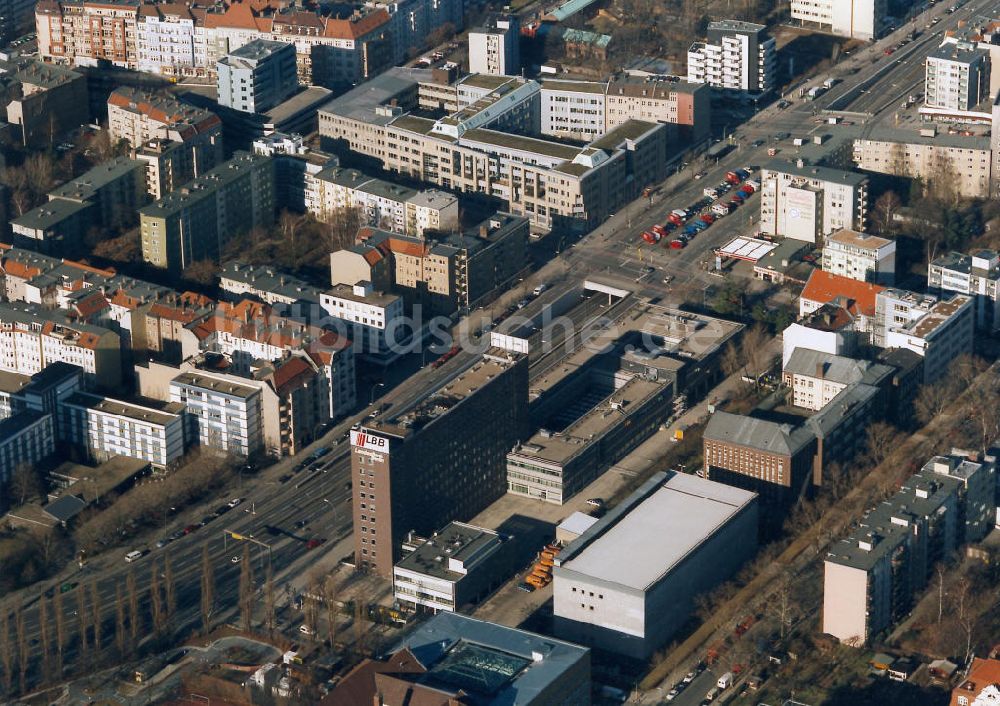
(551, 353)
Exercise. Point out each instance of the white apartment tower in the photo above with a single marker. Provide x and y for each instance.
(736, 56)
(860, 256)
(493, 48)
(858, 19)
(957, 76)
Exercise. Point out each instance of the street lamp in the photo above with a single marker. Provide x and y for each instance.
(371, 397)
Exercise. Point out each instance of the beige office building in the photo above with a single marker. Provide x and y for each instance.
(555, 185)
(965, 162)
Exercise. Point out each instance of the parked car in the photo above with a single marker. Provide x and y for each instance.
(133, 555)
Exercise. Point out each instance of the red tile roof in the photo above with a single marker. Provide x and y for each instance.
(824, 287)
(984, 673)
(290, 374)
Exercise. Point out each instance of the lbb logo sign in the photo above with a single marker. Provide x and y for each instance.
(365, 440)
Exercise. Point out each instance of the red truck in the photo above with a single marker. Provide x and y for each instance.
(651, 238)
(659, 230)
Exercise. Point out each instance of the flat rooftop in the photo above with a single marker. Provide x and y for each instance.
(975, 141)
(628, 547)
(166, 414)
(50, 214)
(836, 176)
(456, 542)
(858, 239)
(559, 447)
(346, 292)
(222, 386)
(360, 102)
(413, 414)
(938, 315)
(86, 185)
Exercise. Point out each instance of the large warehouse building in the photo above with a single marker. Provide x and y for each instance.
(629, 582)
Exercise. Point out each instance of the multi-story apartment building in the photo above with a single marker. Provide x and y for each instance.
(736, 56)
(494, 47)
(104, 427)
(381, 203)
(48, 96)
(177, 40)
(257, 76)
(937, 330)
(171, 40)
(860, 256)
(225, 414)
(856, 298)
(976, 275)
(555, 185)
(85, 33)
(573, 109)
(436, 459)
(269, 285)
(815, 378)
(56, 226)
(103, 197)
(956, 163)
(296, 167)
(661, 99)
(194, 222)
(138, 116)
(957, 77)
(27, 437)
(807, 203)
(872, 578)
(458, 270)
(165, 325)
(372, 320)
(858, 19)
(622, 588)
(32, 338)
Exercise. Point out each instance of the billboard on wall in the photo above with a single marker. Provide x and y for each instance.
(801, 213)
(364, 439)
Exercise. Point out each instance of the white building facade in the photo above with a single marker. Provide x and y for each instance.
(866, 258)
(858, 19)
(808, 203)
(737, 56)
(107, 427)
(226, 413)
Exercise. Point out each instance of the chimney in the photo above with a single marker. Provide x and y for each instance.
(819, 370)
(484, 232)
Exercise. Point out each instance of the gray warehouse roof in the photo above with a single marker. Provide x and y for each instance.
(628, 546)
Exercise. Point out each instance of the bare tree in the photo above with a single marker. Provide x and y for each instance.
(82, 621)
(60, 613)
(343, 226)
(269, 610)
(23, 656)
(965, 616)
(155, 598)
(246, 589)
(119, 620)
(43, 630)
(25, 483)
(984, 409)
(170, 589)
(207, 590)
(884, 212)
(329, 586)
(940, 576)
(96, 615)
(6, 649)
(880, 440)
(932, 399)
(311, 610)
(133, 609)
(754, 351)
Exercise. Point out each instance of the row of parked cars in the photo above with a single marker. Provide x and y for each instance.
(704, 212)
